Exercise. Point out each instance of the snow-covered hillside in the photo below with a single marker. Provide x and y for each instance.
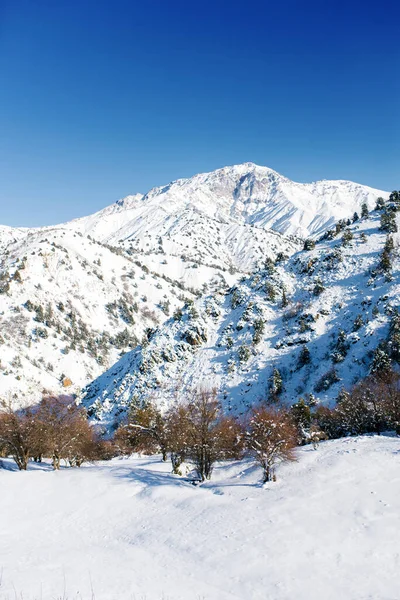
(328, 528)
(317, 317)
(138, 259)
(69, 306)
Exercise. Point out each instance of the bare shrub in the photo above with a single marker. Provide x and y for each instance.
(271, 438)
(18, 434)
(144, 431)
(207, 435)
(63, 431)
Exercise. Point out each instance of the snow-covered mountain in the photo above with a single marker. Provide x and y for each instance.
(317, 318)
(126, 268)
(245, 194)
(228, 218)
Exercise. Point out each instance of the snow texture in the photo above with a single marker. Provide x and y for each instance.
(328, 528)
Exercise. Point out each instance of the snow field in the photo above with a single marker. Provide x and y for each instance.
(128, 529)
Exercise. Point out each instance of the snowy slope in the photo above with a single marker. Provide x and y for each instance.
(10, 235)
(328, 528)
(215, 342)
(70, 307)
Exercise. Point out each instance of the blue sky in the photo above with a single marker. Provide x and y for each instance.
(102, 99)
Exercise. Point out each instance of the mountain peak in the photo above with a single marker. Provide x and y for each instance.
(129, 201)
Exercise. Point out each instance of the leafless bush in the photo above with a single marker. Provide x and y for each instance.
(271, 437)
(209, 436)
(144, 431)
(18, 434)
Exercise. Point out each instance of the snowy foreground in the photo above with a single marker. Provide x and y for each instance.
(128, 529)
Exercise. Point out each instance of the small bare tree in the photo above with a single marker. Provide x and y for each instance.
(177, 431)
(144, 431)
(271, 437)
(63, 431)
(18, 434)
(210, 436)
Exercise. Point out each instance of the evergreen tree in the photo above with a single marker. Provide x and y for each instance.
(385, 262)
(304, 357)
(318, 287)
(301, 416)
(269, 266)
(394, 337)
(275, 384)
(381, 362)
(380, 203)
(347, 237)
(395, 199)
(355, 217)
(17, 276)
(389, 244)
(358, 323)
(309, 244)
(270, 291)
(388, 221)
(364, 211)
(285, 301)
(341, 348)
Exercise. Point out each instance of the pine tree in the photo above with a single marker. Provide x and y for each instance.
(301, 415)
(285, 301)
(358, 323)
(364, 211)
(347, 237)
(389, 244)
(380, 203)
(309, 244)
(17, 276)
(388, 221)
(318, 287)
(275, 384)
(385, 262)
(381, 362)
(395, 199)
(270, 291)
(269, 266)
(304, 357)
(341, 348)
(394, 337)
(355, 217)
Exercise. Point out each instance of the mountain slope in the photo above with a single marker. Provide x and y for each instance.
(234, 340)
(69, 306)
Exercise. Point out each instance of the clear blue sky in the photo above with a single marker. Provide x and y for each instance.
(100, 99)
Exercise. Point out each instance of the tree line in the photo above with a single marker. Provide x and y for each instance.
(198, 432)
(57, 428)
